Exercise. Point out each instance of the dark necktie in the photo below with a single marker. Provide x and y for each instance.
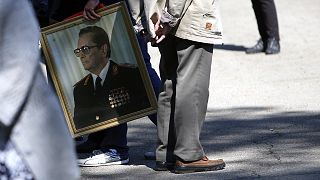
(98, 85)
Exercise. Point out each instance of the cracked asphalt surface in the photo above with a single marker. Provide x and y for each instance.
(263, 114)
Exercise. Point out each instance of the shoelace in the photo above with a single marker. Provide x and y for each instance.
(112, 153)
(96, 152)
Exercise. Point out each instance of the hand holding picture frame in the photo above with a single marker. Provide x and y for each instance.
(98, 71)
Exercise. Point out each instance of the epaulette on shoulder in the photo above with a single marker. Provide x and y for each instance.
(85, 80)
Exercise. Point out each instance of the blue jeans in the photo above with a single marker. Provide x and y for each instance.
(155, 80)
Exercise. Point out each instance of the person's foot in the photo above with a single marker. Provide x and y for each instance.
(203, 164)
(150, 155)
(163, 166)
(86, 147)
(259, 47)
(100, 158)
(273, 46)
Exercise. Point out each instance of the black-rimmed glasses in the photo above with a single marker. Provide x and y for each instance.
(84, 49)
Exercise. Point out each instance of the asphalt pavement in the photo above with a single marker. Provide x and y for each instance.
(263, 114)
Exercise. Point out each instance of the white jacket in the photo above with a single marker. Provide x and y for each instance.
(196, 20)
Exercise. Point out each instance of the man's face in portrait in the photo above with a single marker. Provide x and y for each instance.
(92, 56)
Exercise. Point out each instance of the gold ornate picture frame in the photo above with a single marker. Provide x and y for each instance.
(129, 94)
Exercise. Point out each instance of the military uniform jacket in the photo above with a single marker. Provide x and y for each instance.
(122, 93)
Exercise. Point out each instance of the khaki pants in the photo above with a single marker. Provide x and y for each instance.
(185, 72)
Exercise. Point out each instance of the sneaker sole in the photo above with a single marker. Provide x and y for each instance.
(123, 162)
(186, 169)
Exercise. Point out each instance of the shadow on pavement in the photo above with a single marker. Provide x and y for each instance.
(257, 142)
(230, 47)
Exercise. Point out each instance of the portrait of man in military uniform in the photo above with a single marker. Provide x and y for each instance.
(110, 90)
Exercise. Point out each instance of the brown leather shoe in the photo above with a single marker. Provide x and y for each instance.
(203, 164)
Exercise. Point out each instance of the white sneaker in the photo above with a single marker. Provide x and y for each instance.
(99, 158)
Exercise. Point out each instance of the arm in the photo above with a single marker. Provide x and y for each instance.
(167, 16)
(176, 9)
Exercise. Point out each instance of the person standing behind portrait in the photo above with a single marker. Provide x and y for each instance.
(109, 91)
(34, 140)
(184, 31)
(138, 18)
(267, 20)
(61, 10)
(136, 11)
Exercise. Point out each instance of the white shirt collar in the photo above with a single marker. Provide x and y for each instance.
(102, 74)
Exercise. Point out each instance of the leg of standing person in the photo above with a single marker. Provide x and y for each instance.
(271, 27)
(111, 142)
(267, 21)
(185, 70)
(155, 80)
(165, 124)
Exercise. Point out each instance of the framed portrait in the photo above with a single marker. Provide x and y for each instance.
(98, 71)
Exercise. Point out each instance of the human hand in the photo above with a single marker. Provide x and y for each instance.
(161, 29)
(89, 13)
